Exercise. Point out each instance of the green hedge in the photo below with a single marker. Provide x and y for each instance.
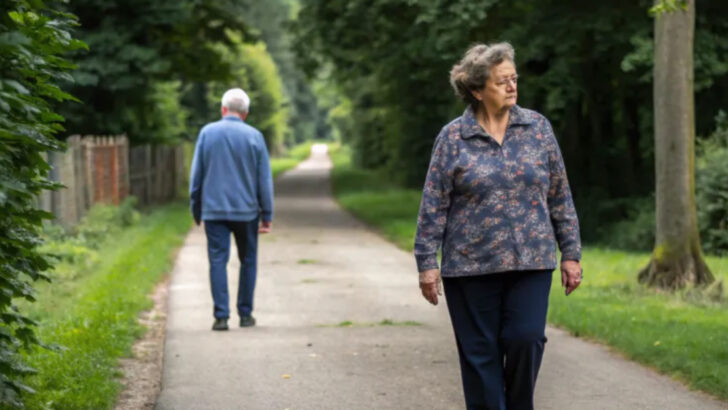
(33, 39)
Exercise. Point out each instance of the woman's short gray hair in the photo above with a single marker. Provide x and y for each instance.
(471, 72)
(236, 100)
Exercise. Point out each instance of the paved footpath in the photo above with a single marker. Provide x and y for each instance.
(321, 267)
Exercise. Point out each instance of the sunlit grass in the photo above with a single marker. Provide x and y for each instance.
(93, 313)
(684, 335)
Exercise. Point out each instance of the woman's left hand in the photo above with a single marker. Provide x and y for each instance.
(431, 285)
(570, 276)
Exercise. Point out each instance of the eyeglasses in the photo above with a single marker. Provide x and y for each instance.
(506, 81)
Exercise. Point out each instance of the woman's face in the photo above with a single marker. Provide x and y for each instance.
(499, 92)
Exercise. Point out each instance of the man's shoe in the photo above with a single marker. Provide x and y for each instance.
(247, 321)
(220, 324)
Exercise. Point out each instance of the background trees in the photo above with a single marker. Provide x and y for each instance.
(140, 52)
(254, 70)
(587, 66)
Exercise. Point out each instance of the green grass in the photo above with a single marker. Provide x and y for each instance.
(684, 335)
(375, 199)
(91, 310)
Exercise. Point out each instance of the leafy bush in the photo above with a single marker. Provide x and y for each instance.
(32, 39)
(100, 223)
(712, 188)
(636, 232)
(102, 220)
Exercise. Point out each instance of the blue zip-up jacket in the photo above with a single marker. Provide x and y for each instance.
(230, 177)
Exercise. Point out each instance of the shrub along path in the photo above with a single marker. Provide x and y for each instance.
(341, 324)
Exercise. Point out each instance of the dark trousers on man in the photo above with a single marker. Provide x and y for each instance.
(499, 321)
(218, 252)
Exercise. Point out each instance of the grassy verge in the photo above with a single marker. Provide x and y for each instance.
(91, 309)
(683, 335)
(374, 198)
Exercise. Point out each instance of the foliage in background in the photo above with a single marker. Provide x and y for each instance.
(390, 61)
(33, 39)
(100, 222)
(255, 72)
(268, 23)
(636, 231)
(271, 20)
(138, 50)
(711, 188)
(109, 266)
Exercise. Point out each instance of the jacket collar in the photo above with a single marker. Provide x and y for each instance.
(470, 127)
(232, 118)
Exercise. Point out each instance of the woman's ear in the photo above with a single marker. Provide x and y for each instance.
(477, 94)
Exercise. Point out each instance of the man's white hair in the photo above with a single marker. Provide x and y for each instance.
(236, 100)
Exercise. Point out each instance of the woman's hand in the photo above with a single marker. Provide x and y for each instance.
(431, 285)
(570, 276)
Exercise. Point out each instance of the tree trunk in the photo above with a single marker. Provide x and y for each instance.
(677, 258)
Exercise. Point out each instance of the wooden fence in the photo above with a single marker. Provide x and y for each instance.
(105, 170)
(157, 173)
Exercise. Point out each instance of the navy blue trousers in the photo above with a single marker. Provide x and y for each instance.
(499, 321)
(218, 252)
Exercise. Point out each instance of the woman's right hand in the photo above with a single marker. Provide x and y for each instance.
(431, 285)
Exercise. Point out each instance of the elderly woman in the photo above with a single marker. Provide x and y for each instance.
(496, 201)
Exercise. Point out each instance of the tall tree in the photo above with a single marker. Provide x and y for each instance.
(677, 259)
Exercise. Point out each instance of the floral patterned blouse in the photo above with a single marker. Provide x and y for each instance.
(496, 208)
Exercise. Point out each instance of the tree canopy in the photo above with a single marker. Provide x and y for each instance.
(135, 47)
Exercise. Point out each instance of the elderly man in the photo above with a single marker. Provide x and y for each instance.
(231, 189)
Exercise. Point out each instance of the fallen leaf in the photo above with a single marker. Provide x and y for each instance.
(285, 376)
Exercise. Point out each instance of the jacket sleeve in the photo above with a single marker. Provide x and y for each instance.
(265, 183)
(196, 177)
(435, 203)
(560, 202)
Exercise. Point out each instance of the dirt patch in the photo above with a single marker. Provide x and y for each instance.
(142, 373)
